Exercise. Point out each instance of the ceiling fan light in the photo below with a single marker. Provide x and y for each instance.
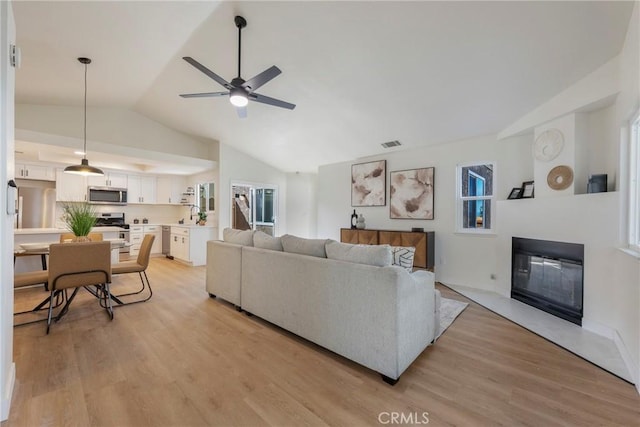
(238, 98)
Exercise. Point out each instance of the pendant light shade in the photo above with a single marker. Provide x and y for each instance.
(83, 168)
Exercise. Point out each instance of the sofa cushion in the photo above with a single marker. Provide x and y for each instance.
(377, 255)
(403, 256)
(239, 237)
(299, 245)
(264, 241)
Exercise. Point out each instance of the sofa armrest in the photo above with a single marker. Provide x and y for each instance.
(416, 308)
(224, 270)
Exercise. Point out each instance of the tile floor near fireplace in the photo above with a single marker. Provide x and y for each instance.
(595, 348)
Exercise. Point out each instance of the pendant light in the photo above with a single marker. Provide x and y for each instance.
(83, 168)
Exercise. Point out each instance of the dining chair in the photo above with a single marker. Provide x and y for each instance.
(138, 266)
(70, 237)
(31, 278)
(77, 265)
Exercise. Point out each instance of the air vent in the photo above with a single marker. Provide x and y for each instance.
(390, 144)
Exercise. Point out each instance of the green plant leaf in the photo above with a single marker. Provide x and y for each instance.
(80, 217)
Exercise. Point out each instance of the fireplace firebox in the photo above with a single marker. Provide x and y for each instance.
(548, 275)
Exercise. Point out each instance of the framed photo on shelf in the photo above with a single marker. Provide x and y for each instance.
(527, 190)
(516, 192)
(369, 184)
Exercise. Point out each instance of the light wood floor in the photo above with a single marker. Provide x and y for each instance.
(183, 359)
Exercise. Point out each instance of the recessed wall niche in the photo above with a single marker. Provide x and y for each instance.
(560, 145)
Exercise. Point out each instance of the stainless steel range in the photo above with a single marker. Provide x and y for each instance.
(115, 219)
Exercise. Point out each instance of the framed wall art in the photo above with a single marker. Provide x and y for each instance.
(369, 184)
(412, 194)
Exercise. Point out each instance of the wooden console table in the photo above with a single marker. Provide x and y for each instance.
(423, 241)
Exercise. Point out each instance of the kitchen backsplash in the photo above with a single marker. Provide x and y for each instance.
(156, 214)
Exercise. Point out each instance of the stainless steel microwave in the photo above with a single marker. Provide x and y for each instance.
(107, 195)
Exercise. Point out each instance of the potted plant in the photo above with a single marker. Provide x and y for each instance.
(202, 218)
(80, 218)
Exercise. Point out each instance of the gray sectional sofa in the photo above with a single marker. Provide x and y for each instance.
(381, 317)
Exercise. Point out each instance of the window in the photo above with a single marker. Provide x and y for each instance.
(264, 205)
(475, 197)
(634, 184)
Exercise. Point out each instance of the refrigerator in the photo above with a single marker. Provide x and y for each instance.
(36, 204)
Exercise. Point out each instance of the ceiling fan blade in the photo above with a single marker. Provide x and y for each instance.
(203, 95)
(208, 72)
(242, 112)
(262, 78)
(271, 101)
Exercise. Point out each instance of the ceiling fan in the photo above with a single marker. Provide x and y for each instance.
(240, 91)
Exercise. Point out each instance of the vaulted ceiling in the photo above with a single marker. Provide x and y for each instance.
(360, 73)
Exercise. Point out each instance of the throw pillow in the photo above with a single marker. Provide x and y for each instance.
(299, 245)
(403, 256)
(238, 237)
(379, 256)
(264, 241)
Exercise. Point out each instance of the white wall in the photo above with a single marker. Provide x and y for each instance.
(602, 132)
(238, 167)
(7, 81)
(461, 259)
(628, 269)
(115, 126)
(301, 204)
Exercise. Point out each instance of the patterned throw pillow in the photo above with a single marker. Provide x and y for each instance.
(403, 256)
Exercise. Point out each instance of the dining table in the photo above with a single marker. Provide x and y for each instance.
(41, 249)
(41, 238)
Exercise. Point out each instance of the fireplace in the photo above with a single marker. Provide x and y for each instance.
(548, 275)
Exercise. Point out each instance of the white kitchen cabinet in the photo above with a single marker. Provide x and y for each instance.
(189, 243)
(109, 179)
(170, 188)
(136, 233)
(70, 187)
(141, 189)
(180, 246)
(29, 171)
(156, 230)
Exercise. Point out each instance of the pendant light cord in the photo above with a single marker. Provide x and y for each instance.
(85, 111)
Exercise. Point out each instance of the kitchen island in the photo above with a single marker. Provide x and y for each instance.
(52, 235)
(189, 242)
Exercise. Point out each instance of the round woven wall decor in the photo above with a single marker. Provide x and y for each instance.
(560, 177)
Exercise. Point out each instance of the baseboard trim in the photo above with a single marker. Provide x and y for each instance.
(6, 400)
(628, 360)
(599, 328)
(612, 334)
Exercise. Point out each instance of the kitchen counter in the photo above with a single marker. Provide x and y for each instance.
(190, 225)
(29, 231)
(171, 224)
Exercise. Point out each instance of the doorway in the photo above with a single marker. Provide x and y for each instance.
(254, 207)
